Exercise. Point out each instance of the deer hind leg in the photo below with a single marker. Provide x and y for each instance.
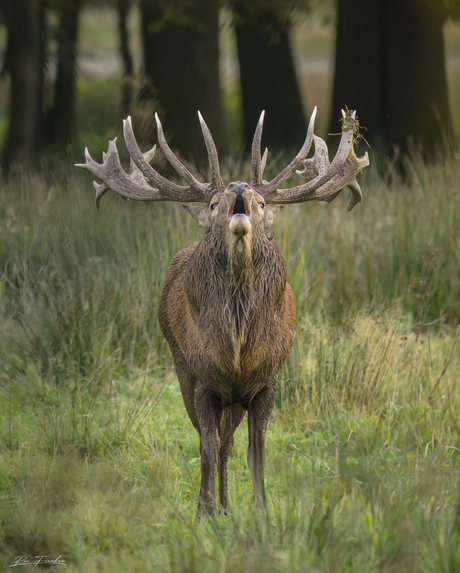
(208, 412)
(258, 414)
(230, 420)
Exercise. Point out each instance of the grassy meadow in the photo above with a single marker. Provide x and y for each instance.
(99, 463)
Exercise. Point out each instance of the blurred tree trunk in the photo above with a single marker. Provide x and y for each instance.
(418, 103)
(359, 80)
(268, 78)
(26, 24)
(6, 57)
(123, 7)
(181, 56)
(390, 67)
(61, 118)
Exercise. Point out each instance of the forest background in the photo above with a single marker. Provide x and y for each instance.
(99, 462)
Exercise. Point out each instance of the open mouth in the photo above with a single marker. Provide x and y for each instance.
(238, 208)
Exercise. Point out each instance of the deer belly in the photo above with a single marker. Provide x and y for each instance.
(232, 371)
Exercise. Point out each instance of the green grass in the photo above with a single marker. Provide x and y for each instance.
(99, 462)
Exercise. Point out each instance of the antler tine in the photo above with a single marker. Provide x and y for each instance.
(216, 179)
(174, 161)
(111, 172)
(327, 179)
(256, 176)
(170, 191)
(101, 188)
(266, 188)
(345, 177)
(263, 162)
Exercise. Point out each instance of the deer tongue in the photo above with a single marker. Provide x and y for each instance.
(240, 224)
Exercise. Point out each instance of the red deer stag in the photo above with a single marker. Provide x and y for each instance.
(226, 309)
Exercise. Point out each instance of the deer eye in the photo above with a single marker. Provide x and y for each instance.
(214, 205)
(261, 205)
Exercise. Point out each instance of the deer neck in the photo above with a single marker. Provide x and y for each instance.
(230, 268)
(240, 263)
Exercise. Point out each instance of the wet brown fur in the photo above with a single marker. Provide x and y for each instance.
(227, 313)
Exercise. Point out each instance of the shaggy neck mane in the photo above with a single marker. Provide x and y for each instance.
(240, 264)
(235, 278)
(241, 268)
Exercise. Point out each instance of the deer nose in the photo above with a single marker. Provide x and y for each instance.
(238, 188)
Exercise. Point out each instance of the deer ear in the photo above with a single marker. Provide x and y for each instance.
(200, 214)
(271, 212)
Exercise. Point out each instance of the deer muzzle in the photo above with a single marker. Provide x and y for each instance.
(239, 199)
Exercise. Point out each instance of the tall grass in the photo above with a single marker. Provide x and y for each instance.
(100, 463)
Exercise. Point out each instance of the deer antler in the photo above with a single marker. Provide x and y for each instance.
(133, 185)
(325, 179)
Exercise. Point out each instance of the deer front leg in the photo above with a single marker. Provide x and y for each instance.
(230, 420)
(208, 414)
(258, 414)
